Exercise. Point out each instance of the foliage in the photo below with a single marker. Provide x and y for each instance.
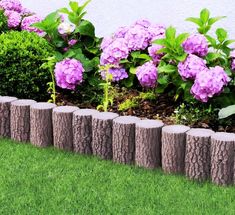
(85, 46)
(21, 75)
(128, 104)
(3, 22)
(226, 112)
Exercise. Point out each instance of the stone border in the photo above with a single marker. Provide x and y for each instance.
(200, 154)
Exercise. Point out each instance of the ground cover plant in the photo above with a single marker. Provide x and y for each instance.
(50, 181)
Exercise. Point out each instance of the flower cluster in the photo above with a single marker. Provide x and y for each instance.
(137, 37)
(66, 28)
(209, 83)
(196, 44)
(28, 21)
(147, 75)
(69, 73)
(19, 17)
(193, 65)
(117, 74)
(232, 55)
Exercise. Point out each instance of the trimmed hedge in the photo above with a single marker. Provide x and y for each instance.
(22, 54)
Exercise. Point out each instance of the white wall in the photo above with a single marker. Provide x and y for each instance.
(107, 15)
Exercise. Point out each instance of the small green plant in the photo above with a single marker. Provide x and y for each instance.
(50, 64)
(22, 55)
(3, 22)
(150, 95)
(107, 88)
(128, 104)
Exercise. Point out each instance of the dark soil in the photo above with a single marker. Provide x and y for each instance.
(161, 108)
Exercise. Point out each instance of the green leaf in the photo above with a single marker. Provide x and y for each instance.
(181, 57)
(228, 42)
(133, 70)
(212, 56)
(211, 40)
(204, 15)
(64, 10)
(135, 54)
(167, 68)
(74, 6)
(195, 20)
(181, 38)
(221, 34)
(170, 34)
(226, 112)
(83, 6)
(161, 42)
(163, 80)
(86, 28)
(213, 20)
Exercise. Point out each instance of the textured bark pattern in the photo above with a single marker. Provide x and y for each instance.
(5, 127)
(62, 127)
(173, 148)
(20, 120)
(222, 158)
(148, 143)
(82, 130)
(41, 133)
(102, 134)
(124, 139)
(197, 156)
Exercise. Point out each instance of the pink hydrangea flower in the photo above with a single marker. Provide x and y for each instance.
(196, 44)
(26, 12)
(106, 42)
(13, 18)
(189, 68)
(121, 32)
(14, 5)
(152, 50)
(72, 42)
(28, 21)
(118, 74)
(232, 55)
(116, 51)
(156, 31)
(210, 83)
(147, 75)
(66, 28)
(69, 73)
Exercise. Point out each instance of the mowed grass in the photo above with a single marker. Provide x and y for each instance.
(49, 181)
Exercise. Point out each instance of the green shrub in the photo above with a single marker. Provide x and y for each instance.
(3, 22)
(21, 56)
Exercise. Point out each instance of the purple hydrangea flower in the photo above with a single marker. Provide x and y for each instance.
(13, 18)
(72, 42)
(69, 73)
(189, 68)
(147, 75)
(116, 51)
(28, 21)
(233, 64)
(14, 5)
(137, 38)
(143, 23)
(232, 54)
(66, 28)
(196, 44)
(209, 83)
(26, 12)
(121, 32)
(118, 74)
(156, 31)
(152, 50)
(105, 43)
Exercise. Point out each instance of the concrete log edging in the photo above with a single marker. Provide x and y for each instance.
(200, 154)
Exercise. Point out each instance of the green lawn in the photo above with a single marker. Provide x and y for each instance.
(48, 181)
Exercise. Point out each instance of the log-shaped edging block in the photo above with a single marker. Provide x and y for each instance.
(148, 143)
(5, 125)
(124, 139)
(62, 118)
(82, 130)
(173, 148)
(222, 158)
(20, 120)
(41, 133)
(102, 134)
(197, 155)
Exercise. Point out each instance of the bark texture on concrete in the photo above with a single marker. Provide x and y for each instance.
(197, 156)
(82, 130)
(102, 134)
(5, 109)
(222, 158)
(62, 118)
(148, 143)
(20, 120)
(41, 133)
(173, 148)
(124, 139)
